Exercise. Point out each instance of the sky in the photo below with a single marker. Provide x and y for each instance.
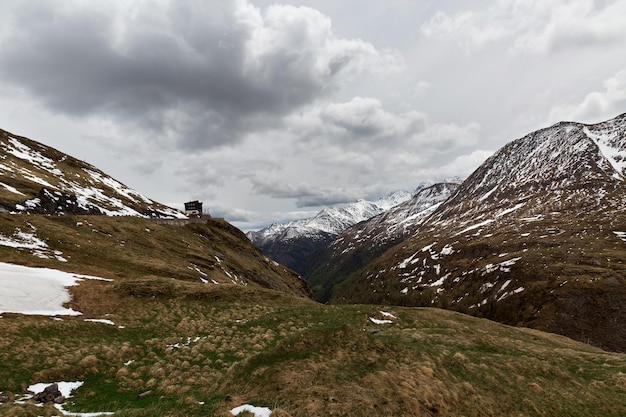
(269, 111)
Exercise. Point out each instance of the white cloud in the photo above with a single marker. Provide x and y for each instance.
(461, 166)
(597, 106)
(365, 118)
(533, 26)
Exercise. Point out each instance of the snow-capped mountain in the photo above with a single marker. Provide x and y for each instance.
(363, 241)
(398, 221)
(292, 243)
(330, 220)
(35, 178)
(535, 236)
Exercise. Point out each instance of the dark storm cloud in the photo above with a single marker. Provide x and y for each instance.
(199, 74)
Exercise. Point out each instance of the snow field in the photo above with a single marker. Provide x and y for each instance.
(36, 291)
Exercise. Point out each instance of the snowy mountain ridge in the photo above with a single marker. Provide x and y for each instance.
(293, 243)
(35, 178)
(397, 221)
(330, 220)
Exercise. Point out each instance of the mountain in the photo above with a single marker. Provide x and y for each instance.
(61, 213)
(536, 236)
(293, 243)
(35, 178)
(364, 241)
(142, 316)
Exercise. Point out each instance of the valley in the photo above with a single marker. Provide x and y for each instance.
(159, 316)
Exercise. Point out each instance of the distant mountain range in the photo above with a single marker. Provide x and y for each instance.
(363, 241)
(293, 243)
(536, 236)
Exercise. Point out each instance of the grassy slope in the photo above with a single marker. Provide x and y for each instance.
(258, 346)
(249, 344)
(131, 248)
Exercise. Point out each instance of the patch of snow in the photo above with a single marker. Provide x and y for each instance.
(66, 389)
(257, 411)
(23, 241)
(475, 226)
(377, 321)
(36, 291)
(11, 189)
(510, 210)
(532, 219)
(447, 250)
(488, 193)
(427, 248)
(616, 157)
(105, 321)
(621, 235)
(405, 263)
(386, 314)
(440, 281)
(506, 284)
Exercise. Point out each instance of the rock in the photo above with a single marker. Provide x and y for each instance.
(50, 394)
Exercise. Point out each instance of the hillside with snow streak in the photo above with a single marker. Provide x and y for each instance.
(534, 237)
(35, 178)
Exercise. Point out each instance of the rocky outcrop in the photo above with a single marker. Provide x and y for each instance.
(51, 394)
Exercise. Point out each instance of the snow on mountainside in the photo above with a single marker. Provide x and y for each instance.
(361, 242)
(398, 221)
(35, 178)
(532, 237)
(329, 221)
(293, 243)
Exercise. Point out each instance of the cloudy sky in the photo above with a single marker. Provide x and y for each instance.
(268, 111)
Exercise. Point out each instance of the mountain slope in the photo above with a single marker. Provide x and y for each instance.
(362, 242)
(293, 243)
(35, 178)
(535, 236)
(101, 227)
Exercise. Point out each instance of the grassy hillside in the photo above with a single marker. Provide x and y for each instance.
(200, 349)
(124, 248)
(205, 350)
